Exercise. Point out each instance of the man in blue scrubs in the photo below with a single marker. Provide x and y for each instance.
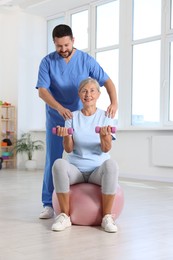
(59, 77)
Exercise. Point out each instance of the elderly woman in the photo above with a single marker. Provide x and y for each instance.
(88, 158)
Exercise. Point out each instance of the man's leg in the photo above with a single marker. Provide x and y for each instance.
(54, 150)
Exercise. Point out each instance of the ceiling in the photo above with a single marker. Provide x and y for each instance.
(44, 8)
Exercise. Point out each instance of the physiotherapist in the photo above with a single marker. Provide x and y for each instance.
(60, 74)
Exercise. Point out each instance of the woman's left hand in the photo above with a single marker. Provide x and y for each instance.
(105, 130)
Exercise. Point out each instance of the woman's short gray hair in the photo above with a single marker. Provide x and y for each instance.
(89, 80)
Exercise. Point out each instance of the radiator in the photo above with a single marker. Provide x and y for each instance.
(162, 151)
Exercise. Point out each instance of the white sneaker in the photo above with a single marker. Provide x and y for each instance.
(47, 212)
(62, 221)
(108, 224)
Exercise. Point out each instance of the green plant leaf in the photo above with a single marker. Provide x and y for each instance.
(27, 145)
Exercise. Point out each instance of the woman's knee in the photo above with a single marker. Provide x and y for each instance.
(60, 176)
(59, 166)
(110, 177)
(111, 166)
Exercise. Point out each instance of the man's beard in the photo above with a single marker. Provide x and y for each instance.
(67, 53)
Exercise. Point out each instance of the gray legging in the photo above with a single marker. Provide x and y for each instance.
(66, 174)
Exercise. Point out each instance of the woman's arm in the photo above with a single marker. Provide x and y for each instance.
(68, 143)
(67, 139)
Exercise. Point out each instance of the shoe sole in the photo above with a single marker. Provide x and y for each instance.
(46, 217)
(109, 231)
(61, 229)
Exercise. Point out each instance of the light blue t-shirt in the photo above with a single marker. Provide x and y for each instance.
(63, 79)
(87, 153)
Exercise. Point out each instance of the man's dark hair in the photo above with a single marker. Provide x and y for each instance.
(62, 30)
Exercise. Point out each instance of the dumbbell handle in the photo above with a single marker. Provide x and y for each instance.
(70, 130)
(113, 129)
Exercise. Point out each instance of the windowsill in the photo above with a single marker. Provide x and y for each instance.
(38, 130)
(135, 128)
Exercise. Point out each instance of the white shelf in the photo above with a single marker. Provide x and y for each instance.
(8, 130)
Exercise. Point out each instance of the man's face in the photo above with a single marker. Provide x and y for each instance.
(64, 46)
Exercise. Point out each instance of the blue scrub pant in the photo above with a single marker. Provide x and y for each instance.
(54, 150)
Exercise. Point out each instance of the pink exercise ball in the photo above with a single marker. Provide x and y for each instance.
(85, 204)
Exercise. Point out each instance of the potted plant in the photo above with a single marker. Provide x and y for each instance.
(26, 145)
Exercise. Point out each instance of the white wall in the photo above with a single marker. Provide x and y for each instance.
(23, 44)
(9, 57)
(132, 150)
(31, 49)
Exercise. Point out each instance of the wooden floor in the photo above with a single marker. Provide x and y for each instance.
(145, 225)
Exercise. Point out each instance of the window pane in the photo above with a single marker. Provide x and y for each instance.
(147, 18)
(146, 83)
(50, 26)
(171, 86)
(109, 62)
(107, 24)
(171, 10)
(79, 23)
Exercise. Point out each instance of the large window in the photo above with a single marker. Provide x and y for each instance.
(133, 42)
(171, 14)
(146, 62)
(146, 18)
(107, 44)
(146, 83)
(79, 23)
(109, 62)
(171, 84)
(170, 107)
(107, 22)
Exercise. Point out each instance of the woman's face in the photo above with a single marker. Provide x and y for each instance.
(89, 94)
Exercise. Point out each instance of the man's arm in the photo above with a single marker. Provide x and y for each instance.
(111, 90)
(49, 99)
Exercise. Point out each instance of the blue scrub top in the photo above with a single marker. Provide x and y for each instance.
(63, 79)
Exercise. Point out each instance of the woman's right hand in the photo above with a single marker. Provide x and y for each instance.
(62, 131)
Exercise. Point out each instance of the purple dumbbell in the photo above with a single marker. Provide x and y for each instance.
(113, 129)
(70, 130)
